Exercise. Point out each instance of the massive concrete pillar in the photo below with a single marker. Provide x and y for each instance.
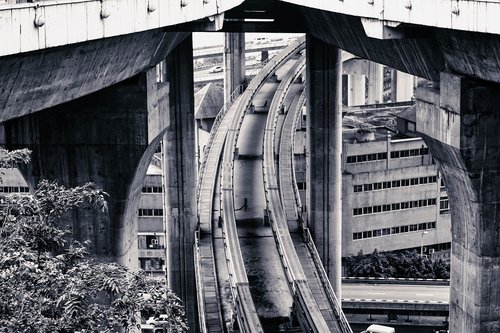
(402, 86)
(324, 140)
(356, 90)
(375, 78)
(234, 62)
(460, 122)
(102, 138)
(180, 178)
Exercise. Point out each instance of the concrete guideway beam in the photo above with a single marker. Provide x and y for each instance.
(101, 138)
(324, 140)
(447, 14)
(46, 24)
(460, 122)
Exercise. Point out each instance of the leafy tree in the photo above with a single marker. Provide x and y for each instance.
(406, 264)
(48, 283)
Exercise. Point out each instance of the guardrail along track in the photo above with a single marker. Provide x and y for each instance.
(310, 262)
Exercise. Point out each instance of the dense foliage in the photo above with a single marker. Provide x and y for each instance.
(407, 264)
(47, 281)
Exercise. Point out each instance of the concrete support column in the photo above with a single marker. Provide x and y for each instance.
(103, 138)
(460, 122)
(402, 86)
(180, 178)
(234, 62)
(356, 90)
(375, 78)
(324, 140)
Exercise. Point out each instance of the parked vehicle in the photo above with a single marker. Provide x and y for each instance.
(379, 329)
(216, 69)
(261, 40)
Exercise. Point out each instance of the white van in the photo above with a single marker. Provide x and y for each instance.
(379, 329)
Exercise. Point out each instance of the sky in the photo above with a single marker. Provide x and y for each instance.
(202, 39)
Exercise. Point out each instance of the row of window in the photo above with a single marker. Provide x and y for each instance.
(383, 156)
(394, 230)
(152, 189)
(150, 212)
(395, 183)
(394, 206)
(14, 189)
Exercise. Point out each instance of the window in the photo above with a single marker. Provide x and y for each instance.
(372, 157)
(414, 152)
(432, 201)
(367, 210)
(413, 227)
(396, 183)
(444, 205)
(410, 126)
(377, 233)
(367, 234)
(422, 203)
(394, 154)
(395, 206)
(404, 228)
(360, 158)
(422, 226)
(150, 212)
(368, 187)
(377, 186)
(382, 156)
(432, 179)
(405, 182)
(151, 189)
(386, 185)
(431, 225)
(377, 209)
(386, 208)
(386, 231)
(423, 180)
(358, 188)
(405, 205)
(357, 235)
(414, 181)
(395, 230)
(424, 151)
(357, 211)
(351, 159)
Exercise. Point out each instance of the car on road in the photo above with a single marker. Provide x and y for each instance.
(261, 40)
(216, 69)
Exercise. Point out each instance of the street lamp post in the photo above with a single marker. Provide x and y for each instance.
(422, 243)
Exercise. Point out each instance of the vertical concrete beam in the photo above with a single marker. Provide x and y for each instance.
(402, 86)
(180, 178)
(356, 90)
(101, 138)
(324, 140)
(460, 122)
(234, 62)
(375, 78)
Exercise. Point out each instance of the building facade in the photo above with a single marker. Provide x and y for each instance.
(393, 198)
(151, 224)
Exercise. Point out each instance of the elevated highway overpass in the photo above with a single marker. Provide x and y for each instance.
(83, 65)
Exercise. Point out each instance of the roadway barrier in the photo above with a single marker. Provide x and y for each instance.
(382, 280)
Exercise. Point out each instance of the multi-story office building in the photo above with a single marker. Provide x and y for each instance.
(392, 197)
(151, 224)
